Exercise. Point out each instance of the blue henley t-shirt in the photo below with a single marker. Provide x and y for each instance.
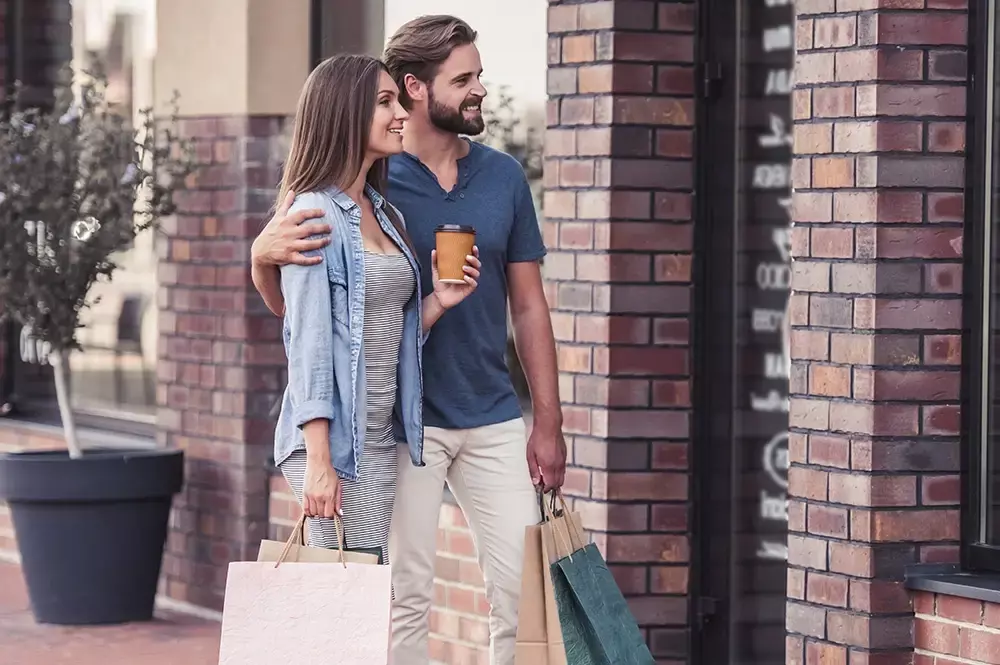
(466, 381)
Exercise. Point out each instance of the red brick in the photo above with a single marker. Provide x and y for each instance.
(980, 646)
(941, 419)
(813, 138)
(824, 653)
(851, 559)
(829, 451)
(829, 380)
(563, 18)
(674, 17)
(916, 386)
(834, 243)
(578, 48)
(923, 602)
(879, 596)
(833, 102)
(675, 80)
(812, 207)
(669, 579)
(808, 483)
(913, 28)
(942, 349)
(647, 548)
(651, 47)
(824, 589)
(796, 583)
(810, 344)
(827, 521)
(943, 278)
(933, 243)
(945, 207)
(935, 636)
(947, 65)
(864, 490)
(906, 314)
(807, 552)
(577, 111)
(915, 526)
(832, 172)
(805, 619)
(940, 490)
(964, 610)
(946, 136)
(878, 136)
(911, 100)
(836, 32)
(814, 68)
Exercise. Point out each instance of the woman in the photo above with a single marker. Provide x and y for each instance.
(354, 322)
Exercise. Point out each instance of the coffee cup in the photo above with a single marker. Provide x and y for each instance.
(453, 242)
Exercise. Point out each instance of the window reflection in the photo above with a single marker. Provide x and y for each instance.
(115, 374)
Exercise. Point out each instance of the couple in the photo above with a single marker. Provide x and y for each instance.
(397, 382)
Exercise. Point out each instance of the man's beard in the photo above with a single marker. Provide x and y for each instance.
(452, 120)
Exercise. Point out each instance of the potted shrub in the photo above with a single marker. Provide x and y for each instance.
(79, 180)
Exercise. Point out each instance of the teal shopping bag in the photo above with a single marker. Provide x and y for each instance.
(598, 626)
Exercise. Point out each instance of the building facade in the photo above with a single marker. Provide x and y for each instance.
(770, 272)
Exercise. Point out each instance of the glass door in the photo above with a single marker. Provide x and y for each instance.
(745, 280)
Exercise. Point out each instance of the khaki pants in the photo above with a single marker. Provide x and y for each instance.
(486, 469)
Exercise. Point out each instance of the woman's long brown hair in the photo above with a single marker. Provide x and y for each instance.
(333, 123)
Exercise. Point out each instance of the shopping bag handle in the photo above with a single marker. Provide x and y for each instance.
(548, 515)
(299, 530)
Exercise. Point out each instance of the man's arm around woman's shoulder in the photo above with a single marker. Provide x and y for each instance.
(288, 240)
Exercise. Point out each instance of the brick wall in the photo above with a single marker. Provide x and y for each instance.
(221, 364)
(879, 110)
(947, 628)
(618, 201)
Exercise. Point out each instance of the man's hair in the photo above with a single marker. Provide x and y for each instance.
(421, 45)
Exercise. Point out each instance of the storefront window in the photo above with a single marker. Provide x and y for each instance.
(981, 507)
(114, 375)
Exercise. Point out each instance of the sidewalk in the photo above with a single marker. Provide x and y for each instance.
(172, 639)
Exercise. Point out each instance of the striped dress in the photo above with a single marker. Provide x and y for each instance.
(367, 501)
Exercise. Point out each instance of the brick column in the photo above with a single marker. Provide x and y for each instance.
(876, 320)
(618, 180)
(221, 365)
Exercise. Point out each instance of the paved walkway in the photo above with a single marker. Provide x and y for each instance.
(172, 639)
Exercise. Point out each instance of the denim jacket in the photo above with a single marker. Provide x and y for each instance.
(323, 337)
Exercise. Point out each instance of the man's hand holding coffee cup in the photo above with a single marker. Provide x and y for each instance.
(454, 264)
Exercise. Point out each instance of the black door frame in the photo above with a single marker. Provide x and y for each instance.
(714, 333)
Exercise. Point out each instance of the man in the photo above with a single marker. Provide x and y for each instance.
(474, 430)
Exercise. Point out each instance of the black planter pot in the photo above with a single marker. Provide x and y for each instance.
(91, 531)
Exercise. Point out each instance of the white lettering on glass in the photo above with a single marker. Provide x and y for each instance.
(771, 176)
(778, 136)
(778, 38)
(779, 82)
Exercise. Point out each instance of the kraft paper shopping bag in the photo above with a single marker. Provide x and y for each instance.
(306, 611)
(539, 638)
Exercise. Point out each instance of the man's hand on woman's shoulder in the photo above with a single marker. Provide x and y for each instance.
(286, 237)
